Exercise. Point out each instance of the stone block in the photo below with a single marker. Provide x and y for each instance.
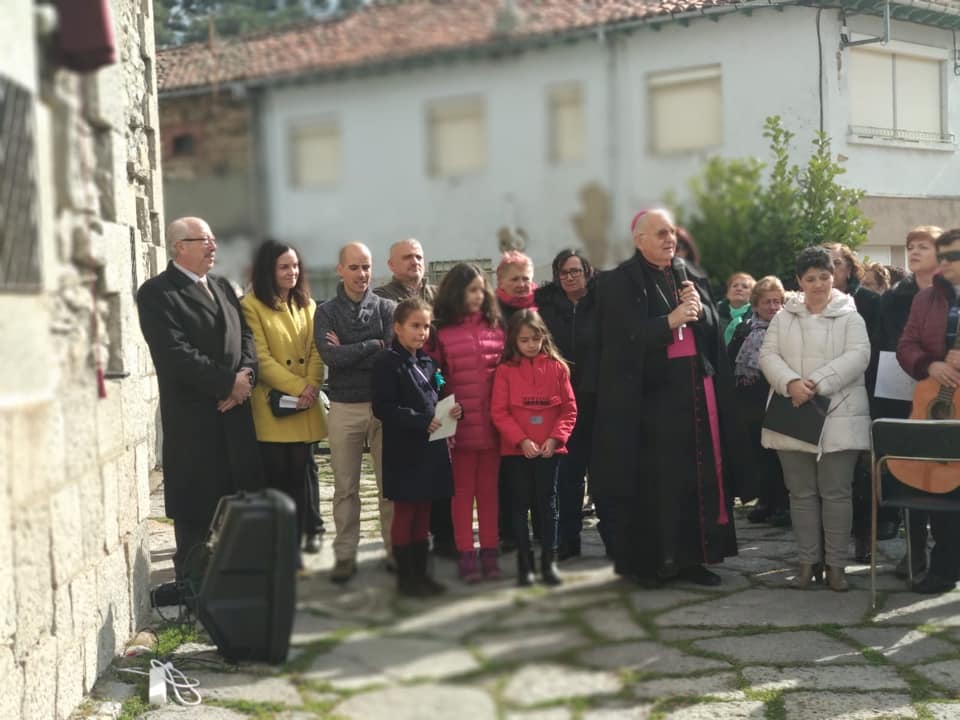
(157, 255)
(32, 573)
(83, 596)
(137, 548)
(62, 612)
(127, 493)
(109, 425)
(90, 640)
(92, 506)
(104, 96)
(23, 460)
(820, 704)
(113, 601)
(117, 198)
(804, 646)
(417, 702)
(80, 430)
(110, 481)
(69, 676)
(40, 680)
(11, 684)
(142, 478)
(114, 243)
(8, 606)
(535, 684)
(67, 535)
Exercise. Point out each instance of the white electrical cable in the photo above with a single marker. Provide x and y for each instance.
(175, 682)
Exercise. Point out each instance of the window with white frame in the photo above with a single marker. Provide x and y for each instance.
(897, 93)
(686, 109)
(456, 137)
(567, 127)
(315, 154)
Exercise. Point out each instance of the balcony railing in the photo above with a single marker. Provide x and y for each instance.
(917, 136)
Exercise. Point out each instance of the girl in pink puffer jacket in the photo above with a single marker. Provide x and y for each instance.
(467, 347)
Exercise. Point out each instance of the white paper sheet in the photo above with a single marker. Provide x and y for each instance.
(448, 425)
(892, 381)
(289, 401)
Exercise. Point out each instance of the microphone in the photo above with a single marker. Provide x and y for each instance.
(679, 268)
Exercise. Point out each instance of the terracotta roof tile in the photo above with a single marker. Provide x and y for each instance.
(392, 31)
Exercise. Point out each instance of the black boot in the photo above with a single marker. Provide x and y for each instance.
(524, 568)
(548, 569)
(428, 587)
(406, 581)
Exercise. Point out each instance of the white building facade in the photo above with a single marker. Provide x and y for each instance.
(567, 140)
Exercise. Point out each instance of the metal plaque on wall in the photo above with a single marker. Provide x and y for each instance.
(19, 237)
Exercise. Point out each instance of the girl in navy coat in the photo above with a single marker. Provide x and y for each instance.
(415, 471)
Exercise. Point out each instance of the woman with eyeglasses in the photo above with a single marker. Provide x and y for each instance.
(567, 309)
(818, 345)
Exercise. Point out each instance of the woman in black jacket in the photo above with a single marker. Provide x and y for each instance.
(567, 309)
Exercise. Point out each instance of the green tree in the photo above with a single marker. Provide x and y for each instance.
(746, 219)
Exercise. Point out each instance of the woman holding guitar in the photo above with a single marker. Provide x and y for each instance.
(929, 349)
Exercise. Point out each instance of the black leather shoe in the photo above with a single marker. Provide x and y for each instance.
(699, 575)
(933, 585)
(312, 544)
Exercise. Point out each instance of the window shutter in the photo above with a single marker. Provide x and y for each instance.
(918, 94)
(457, 137)
(871, 89)
(686, 110)
(567, 124)
(315, 155)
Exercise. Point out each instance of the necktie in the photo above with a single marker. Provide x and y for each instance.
(202, 282)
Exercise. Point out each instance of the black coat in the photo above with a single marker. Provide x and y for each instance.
(574, 330)
(198, 346)
(404, 399)
(627, 356)
(892, 313)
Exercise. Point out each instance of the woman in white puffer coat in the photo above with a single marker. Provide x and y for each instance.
(818, 345)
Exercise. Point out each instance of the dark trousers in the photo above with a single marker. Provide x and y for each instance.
(533, 484)
(312, 522)
(441, 523)
(285, 465)
(189, 537)
(571, 474)
(945, 556)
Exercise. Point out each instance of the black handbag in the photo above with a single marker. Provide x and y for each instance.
(273, 397)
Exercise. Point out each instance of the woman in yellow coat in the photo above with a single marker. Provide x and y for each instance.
(279, 311)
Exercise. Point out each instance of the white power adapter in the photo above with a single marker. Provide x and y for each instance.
(157, 686)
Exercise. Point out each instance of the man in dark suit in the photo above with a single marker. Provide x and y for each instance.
(206, 366)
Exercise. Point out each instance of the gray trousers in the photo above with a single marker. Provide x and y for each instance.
(820, 503)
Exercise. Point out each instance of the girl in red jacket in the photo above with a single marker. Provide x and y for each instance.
(468, 346)
(534, 409)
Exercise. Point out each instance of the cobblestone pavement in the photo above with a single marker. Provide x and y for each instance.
(597, 648)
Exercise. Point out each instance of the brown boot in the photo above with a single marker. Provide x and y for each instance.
(808, 572)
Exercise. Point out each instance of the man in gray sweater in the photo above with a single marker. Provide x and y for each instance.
(350, 330)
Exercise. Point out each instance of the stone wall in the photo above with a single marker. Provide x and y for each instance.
(74, 461)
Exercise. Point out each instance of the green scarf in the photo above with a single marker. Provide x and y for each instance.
(736, 317)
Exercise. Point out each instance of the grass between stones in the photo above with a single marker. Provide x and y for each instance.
(134, 707)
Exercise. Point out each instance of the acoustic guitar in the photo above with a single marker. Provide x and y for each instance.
(931, 401)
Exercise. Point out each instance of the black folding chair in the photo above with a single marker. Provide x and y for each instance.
(925, 440)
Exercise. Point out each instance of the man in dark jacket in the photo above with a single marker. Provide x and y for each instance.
(664, 444)
(407, 265)
(206, 366)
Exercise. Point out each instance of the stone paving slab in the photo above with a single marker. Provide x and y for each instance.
(722, 685)
(532, 644)
(195, 712)
(944, 711)
(613, 622)
(560, 713)
(745, 710)
(901, 646)
(239, 686)
(754, 563)
(847, 706)
(648, 657)
(946, 674)
(530, 616)
(309, 628)
(766, 547)
(680, 634)
(805, 646)
(399, 658)
(633, 712)
(645, 601)
(540, 683)
(731, 580)
(417, 702)
(454, 620)
(912, 609)
(864, 677)
(774, 607)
